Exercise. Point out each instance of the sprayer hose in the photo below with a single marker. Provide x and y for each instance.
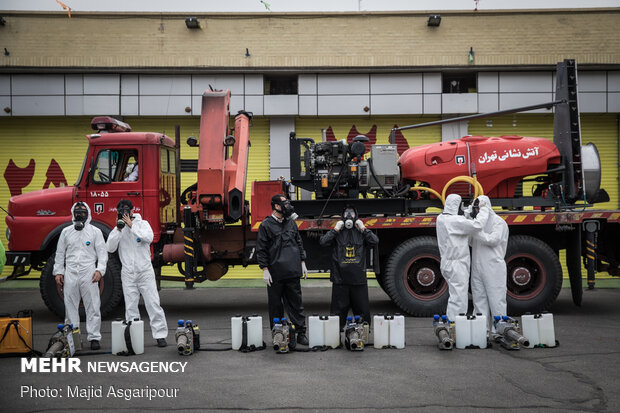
(478, 190)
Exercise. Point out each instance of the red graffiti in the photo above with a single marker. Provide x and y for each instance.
(401, 143)
(353, 132)
(54, 175)
(18, 178)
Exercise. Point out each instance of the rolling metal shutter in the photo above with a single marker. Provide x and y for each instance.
(37, 153)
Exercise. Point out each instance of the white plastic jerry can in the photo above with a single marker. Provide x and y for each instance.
(118, 337)
(136, 333)
(381, 331)
(546, 330)
(255, 330)
(529, 327)
(462, 331)
(397, 331)
(316, 336)
(478, 324)
(236, 331)
(331, 331)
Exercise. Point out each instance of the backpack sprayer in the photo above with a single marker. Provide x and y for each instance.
(187, 337)
(443, 332)
(508, 333)
(64, 343)
(355, 333)
(283, 335)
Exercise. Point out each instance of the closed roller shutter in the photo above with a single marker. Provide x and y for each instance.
(49, 151)
(602, 130)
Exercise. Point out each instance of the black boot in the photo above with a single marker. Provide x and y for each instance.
(301, 337)
(94, 345)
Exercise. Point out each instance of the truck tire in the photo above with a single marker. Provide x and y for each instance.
(110, 288)
(413, 277)
(534, 275)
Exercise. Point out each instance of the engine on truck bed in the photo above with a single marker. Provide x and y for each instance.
(339, 169)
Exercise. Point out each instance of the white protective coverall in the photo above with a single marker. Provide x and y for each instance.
(488, 268)
(453, 232)
(78, 255)
(137, 274)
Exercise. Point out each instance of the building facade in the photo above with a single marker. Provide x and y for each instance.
(332, 74)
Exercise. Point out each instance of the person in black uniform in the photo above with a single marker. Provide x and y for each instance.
(349, 240)
(280, 254)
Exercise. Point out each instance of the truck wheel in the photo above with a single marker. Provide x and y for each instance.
(534, 275)
(413, 277)
(110, 288)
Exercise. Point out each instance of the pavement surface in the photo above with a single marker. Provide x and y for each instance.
(582, 374)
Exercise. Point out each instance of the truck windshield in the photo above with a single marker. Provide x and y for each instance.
(77, 183)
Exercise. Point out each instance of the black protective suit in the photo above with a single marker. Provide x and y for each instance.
(280, 249)
(348, 271)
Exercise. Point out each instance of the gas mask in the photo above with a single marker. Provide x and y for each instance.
(125, 209)
(349, 216)
(80, 215)
(286, 208)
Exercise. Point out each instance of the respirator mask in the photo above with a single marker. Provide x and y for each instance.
(120, 212)
(349, 216)
(285, 208)
(80, 215)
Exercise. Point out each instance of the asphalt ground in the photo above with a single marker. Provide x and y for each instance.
(582, 374)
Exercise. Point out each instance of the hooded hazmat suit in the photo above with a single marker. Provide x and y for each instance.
(488, 268)
(79, 254)
(453, 232)
(137, 274)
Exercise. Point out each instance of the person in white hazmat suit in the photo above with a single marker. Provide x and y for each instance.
(80, 262)
(488, 268)
(453, 232)
(132, 237)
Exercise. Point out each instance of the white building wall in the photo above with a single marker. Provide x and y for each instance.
(318, 94)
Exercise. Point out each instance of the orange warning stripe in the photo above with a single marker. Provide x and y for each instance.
(428, 220)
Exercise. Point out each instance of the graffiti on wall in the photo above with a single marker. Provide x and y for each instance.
(18, 178)
(401, 143)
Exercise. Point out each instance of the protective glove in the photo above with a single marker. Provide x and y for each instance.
(267, 277)
(304, 270)
(467, 211)
(339, 226)
(360, 225)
